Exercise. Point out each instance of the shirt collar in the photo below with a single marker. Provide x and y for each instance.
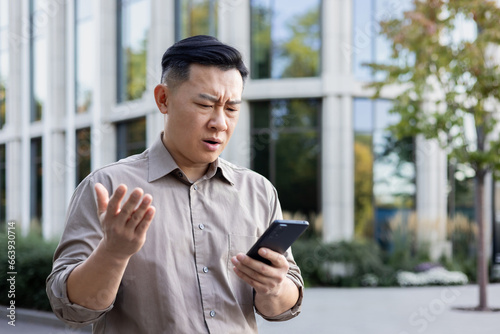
(161, 163)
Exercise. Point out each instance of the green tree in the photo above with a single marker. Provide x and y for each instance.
(444, 81)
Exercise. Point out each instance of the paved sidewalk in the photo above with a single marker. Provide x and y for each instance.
(392, 311)
(426, 310)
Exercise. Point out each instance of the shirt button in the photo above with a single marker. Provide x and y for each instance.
(205, 270)
(180, 174)
(195, 187)
(201, 226)
(212, 314)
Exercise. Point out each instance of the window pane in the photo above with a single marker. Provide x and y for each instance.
(368, 45)
(297, 156)
(131, 137)
(83, 10)
(198, 17)
(38, 60)
(295, 113)
(286, 38)
(36, 181)
(4, 69)
(84, 52)
(4, 13)
(286, 150)
(363, 115)
(261, 114)
(135, 21)
(363, 185)
(383, 118)
(384, 169)
(260, 153)
(461, 198)
(39, 73)
(83, 146)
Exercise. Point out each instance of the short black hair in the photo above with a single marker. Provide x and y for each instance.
(203, 50)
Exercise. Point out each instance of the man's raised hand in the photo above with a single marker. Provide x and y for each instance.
(124, 226)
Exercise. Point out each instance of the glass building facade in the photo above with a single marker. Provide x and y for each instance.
(307, 121)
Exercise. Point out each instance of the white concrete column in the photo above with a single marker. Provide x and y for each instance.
(103, 141)
(337, 170)
(24, 123)
(13, 181)
(431, 169)
(53, 140)
(234, 29)
(69, 166)
(234, 26)
(18, 43)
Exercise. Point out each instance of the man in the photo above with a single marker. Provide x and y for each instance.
(178, 266)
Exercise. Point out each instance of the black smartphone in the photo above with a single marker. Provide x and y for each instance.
(278, 237)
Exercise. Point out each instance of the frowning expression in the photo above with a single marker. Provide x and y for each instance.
(201, 114)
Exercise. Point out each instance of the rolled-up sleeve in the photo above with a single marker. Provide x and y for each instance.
(81, 236)
(63, 308)
(295, 276)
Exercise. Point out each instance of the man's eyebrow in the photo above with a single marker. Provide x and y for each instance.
(214, 99)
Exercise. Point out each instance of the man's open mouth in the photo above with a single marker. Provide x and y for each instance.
(212, 141)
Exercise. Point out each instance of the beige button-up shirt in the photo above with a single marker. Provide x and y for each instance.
(182, 280)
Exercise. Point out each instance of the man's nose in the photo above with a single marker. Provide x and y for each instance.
(218, 120)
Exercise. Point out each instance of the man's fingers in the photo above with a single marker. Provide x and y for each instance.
(252, 268)
(138, 215)
(131, 203)
(116, 199)
(146, 221)
(102, 198)
(276, 258)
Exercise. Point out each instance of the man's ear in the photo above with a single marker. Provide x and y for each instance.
(161, 97)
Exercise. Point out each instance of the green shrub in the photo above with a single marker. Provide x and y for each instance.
(362, 261)
(33, 265)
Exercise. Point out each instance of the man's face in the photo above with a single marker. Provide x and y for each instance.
(202, 113)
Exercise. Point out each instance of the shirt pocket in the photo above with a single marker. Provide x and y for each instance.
(242, 291)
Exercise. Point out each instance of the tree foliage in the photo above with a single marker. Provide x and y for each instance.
(449, 88)
(447, 80)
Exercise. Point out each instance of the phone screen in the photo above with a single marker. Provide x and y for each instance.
(278, 237)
